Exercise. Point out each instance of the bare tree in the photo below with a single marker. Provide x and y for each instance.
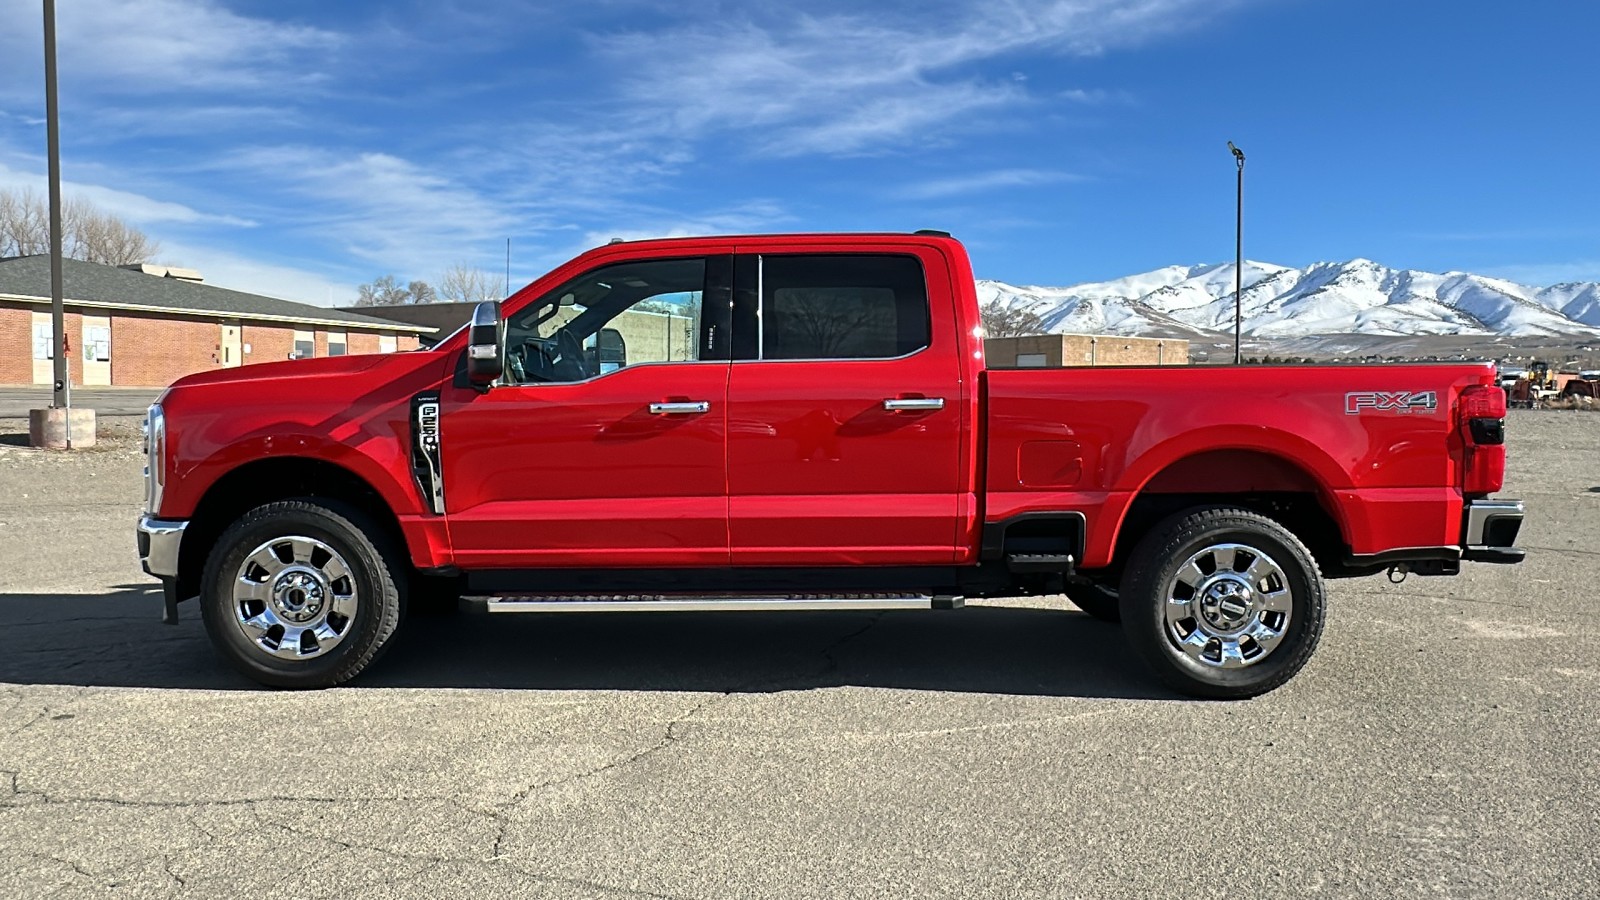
(421, 292)
(88, 233)
(1009, 321)
(386, 290)
(462, 283)
(823, 323)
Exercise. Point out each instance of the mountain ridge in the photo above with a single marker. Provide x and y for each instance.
(1357, 296)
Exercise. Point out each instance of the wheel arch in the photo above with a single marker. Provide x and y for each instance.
(265, 481)
(1292, 490)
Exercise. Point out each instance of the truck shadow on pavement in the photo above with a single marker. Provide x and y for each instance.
(117, 640)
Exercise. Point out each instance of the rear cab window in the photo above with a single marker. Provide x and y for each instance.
(838, 306)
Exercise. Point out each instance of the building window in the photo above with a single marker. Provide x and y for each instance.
(387, 343)
(43, 341)
(305, 345)
(97, 343)
(336, 343)
(1030, 360)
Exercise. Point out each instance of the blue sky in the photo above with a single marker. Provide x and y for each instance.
(299, 148)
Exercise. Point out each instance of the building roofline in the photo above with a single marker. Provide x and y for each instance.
(370, 324)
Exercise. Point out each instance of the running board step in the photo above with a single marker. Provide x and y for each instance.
(1040, 562)
(554, 603)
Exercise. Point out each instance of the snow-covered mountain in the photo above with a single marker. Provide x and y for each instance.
(1355, 297)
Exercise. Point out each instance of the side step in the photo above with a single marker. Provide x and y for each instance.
(556, 603)
(1040, 562)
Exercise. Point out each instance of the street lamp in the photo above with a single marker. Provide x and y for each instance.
(1238, 255)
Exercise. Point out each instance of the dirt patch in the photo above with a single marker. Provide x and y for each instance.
(113, 434)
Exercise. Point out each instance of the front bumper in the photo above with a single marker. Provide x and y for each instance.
(1489, 531)
(159, 543)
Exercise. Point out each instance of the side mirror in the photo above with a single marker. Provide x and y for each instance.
(611, 351)
(486, 345)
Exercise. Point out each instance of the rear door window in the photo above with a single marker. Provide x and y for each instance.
(834, 306)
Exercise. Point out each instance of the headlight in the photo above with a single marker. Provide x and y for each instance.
(155, 458)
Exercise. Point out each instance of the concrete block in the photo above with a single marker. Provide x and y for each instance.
(47, 428)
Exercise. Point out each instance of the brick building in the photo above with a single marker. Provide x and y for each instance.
(149, 325)
(1055, 350)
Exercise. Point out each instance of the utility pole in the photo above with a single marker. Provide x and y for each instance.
(58, 316)
(1238, 256)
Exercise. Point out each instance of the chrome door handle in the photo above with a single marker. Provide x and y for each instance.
(680, 409)
(913, 403)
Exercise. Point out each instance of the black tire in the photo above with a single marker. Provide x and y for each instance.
(1152, 572)
(375, 574)
(1099, 601)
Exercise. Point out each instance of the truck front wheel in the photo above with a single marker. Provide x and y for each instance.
(1223, 603)
(301, 593)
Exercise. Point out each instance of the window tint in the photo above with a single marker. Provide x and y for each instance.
(612, 317)
(842, 307)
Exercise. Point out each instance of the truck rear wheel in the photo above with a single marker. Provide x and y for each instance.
(1223, 603)
(301, 594)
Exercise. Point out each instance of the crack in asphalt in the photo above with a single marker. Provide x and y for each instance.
(54, 799)
(1562, 550)
(434, 861)
(670, 735)
(1445, 597)
(50, 857)
(668, 738)
(166, 865)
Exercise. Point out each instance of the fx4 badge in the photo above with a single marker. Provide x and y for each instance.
(1391, 401)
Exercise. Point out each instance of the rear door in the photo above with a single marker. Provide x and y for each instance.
(844, 408)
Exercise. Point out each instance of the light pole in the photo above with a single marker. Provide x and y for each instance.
(62, 399)
(1238, 255)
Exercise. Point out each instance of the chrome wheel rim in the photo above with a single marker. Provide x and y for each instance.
(1228, 606)
(294, 598)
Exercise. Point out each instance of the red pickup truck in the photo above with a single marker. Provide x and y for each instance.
(802, 421)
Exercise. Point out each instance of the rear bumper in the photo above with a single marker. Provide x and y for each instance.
(1489, 531)
(1488, 534)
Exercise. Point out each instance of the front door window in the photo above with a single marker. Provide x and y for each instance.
(614, 317)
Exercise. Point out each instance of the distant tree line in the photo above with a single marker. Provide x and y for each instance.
(460, 283)
(87, 232)
(1009, 321)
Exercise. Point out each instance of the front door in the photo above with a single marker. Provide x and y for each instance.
(844, 422)
(96, 351)
(606, 444)
(230, 351)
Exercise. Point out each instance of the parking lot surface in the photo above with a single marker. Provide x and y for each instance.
(1443, 741)
(107, 401)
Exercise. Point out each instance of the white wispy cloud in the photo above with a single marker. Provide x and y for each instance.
(304, 283)
(112, 47)
(377, 206)
(978, 182)
(845, 83)
(136, 209)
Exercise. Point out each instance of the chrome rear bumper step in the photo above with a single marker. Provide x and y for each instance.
(558, 603)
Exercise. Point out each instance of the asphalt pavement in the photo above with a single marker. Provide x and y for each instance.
(1442, 743)
(105, 401)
